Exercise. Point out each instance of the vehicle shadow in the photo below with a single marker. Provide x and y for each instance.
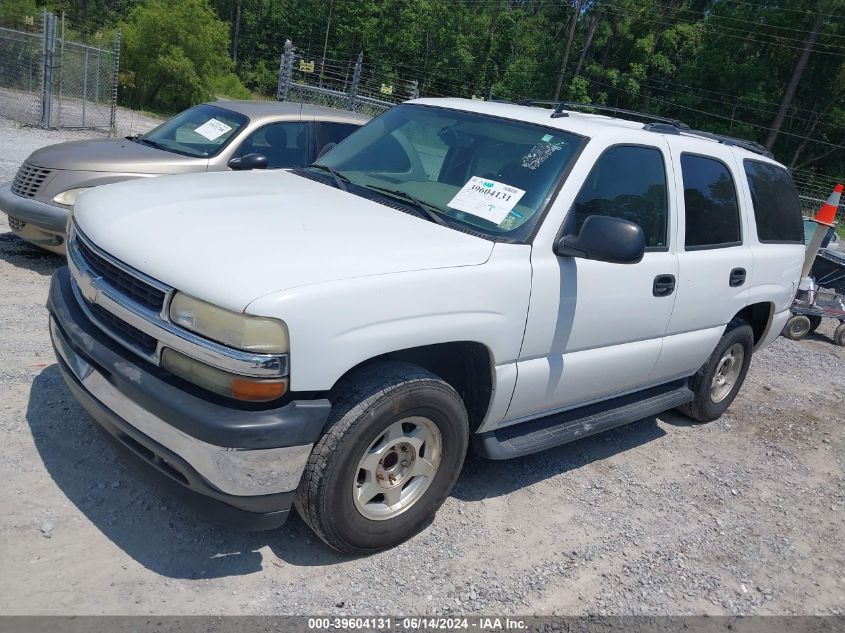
(168, 538)
(24, 255)
(156, 530)
(485, 479)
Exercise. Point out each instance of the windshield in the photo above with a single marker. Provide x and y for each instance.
(201, 131)
(488, 174)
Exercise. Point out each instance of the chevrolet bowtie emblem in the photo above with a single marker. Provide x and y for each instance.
(88, 289)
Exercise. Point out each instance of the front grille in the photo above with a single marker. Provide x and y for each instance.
(16, 225)
(122, 330)
(128, 284)
(29, 179)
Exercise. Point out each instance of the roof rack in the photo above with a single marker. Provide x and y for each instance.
(562, 106)
(751, 146)
(659, 124)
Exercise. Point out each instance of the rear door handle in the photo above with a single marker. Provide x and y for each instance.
(664, 285)
(737, 277)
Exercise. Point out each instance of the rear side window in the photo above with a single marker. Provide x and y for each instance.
(777, 209)
(712, 210)
(331, 132)
(628, 182)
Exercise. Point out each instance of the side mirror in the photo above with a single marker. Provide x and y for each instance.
(326, 148)
(249, 161)
(605, 239)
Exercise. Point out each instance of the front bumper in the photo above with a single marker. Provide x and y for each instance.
(47, 216)
(235, 463)
(38, 222)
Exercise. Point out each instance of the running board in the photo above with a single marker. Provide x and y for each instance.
(560, 428)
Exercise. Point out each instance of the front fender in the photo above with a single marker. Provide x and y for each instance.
(335, 326)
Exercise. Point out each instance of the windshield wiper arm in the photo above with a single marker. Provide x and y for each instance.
(423, 209)
(155, 144)
(339, 178)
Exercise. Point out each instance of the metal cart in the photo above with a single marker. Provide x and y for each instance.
(826, 300)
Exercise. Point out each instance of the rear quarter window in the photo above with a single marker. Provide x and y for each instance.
(777, 209)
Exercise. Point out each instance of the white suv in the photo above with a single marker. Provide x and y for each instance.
(334, 337)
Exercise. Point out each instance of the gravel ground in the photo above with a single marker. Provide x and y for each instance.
(740, 516)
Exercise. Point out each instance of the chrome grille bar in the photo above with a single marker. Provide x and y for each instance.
(92, 289)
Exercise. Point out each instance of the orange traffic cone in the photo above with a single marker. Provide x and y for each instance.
(825, 217)
(827, 212)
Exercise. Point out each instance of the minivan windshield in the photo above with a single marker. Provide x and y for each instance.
(201, 131)
(479, 172)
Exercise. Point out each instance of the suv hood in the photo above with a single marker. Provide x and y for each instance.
(113, 155)
(232, 237)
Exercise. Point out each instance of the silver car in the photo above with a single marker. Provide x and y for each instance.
(208, 137)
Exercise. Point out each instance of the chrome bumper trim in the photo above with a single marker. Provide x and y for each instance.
(232, 471)
(88, 287)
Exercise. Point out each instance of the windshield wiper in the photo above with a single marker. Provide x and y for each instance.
(422, 209)
(155, 144)
(339, 179)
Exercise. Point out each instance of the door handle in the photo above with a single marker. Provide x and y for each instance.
(737, 277)
(664, 285)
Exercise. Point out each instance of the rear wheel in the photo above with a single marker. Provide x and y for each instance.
(797, 327)
(718, 381)
(390, 456)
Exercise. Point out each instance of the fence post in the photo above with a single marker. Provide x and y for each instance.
(415, 89)
(285, 72)
(61, 68)
(84, 85)
(47, 72)
(114, 75)
(356, 78)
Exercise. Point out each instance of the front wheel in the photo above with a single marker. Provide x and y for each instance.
(718, 381)
(390, 456)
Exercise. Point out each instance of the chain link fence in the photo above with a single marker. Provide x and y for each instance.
(21, 75)
(306, 78)
(49, 82)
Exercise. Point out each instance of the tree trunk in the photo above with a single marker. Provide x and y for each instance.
(568, 49)
(594, 22)
(236, 32)
(789, 95)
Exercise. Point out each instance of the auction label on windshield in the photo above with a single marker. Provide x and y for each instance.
(487, 199)
(213, 129)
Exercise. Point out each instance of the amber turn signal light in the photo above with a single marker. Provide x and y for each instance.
(257, 391)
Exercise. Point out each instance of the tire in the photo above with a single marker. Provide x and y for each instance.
(839, 335)
(712, 398)
(815, 322)
(797, 327)
(381, 400)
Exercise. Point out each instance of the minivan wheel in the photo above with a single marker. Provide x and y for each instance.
(389, 457)
(718, 381)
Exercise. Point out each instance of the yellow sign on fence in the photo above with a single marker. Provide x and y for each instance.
(386, 90)
(306, 67)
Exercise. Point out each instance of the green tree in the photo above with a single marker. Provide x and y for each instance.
(15, 13)
(177, 52)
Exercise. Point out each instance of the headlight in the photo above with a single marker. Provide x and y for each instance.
(222, 382)
(68, 197)
(260, 335)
